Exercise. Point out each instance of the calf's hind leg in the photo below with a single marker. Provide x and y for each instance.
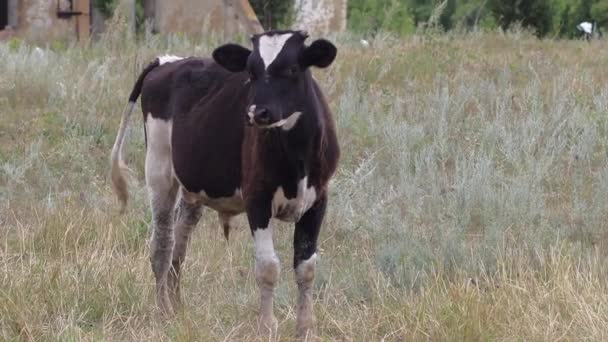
(162, 189)
(161, 246)
(188, 213)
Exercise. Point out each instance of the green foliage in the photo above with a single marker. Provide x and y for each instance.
(568, 14)
(599, 12)
(107, 8)
(534, 14)
(404, 16)
(381, 15)
(14, 43)
(553, 18)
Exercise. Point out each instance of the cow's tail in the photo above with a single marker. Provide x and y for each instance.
(117, 164)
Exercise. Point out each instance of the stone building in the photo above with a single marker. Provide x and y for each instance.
(44, 19)
(196, 16)
(41, 20)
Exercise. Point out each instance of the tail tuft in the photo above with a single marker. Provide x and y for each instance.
(119, 184)
(117, 164)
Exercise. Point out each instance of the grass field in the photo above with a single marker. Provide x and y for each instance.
(470, 202)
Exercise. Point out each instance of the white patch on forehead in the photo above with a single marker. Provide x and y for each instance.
(292, 209)
(270, 47)
(168, 59)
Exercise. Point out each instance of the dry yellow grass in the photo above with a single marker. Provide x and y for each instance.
(470, 203)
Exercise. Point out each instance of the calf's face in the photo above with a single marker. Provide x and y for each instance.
(277, 69)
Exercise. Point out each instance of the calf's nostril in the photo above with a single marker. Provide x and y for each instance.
(262, 114)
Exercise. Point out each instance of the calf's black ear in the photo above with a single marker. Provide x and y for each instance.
(232, 57)
(321, 53)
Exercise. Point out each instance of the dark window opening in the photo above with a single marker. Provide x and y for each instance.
(3, 14)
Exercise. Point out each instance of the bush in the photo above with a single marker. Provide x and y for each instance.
(555, 18)
(107, 8)
(365, 16)
(534, 14)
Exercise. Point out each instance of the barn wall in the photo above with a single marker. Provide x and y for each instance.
(196, 16)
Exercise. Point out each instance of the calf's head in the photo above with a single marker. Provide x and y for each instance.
(278, 72)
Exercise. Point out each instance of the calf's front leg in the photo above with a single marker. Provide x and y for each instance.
(267, 267)
(304, 262)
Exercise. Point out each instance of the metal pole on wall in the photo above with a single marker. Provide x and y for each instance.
(83, 20)
(13, 5)
(131, 15)
(228, 13)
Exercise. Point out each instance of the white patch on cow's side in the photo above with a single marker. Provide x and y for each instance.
(159, 162)
(168, 59)
(287, 123)
(270, 47)
(292, 209)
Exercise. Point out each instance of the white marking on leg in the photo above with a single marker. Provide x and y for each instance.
(292, 209)
(267, 270)
(168, 59)
(270, 47)
(159, 162)
(162, 192)
(304, 269)
(305, 275)
(264, 246)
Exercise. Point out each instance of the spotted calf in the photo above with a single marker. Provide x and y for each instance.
(247, 131)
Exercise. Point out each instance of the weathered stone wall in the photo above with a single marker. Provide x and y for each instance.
(320, 16)
(37, 20)
(198, 16)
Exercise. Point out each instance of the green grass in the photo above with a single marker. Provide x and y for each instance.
(470, 202)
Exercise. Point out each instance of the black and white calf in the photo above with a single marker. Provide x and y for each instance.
(247, 131)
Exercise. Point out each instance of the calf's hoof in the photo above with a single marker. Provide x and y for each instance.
(164, 305)
(304, 330)
(268, 326)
